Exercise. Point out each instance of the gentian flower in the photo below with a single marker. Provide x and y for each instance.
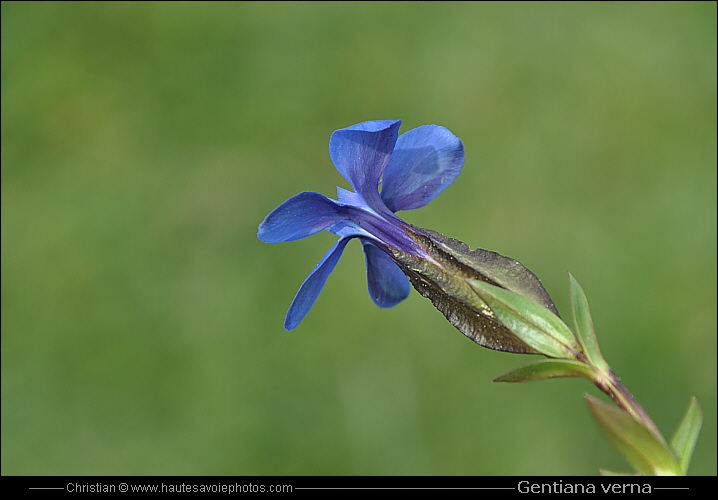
(390, 172)
(412, 169)
(493, 300)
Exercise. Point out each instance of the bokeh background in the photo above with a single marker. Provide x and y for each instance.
(142, 144)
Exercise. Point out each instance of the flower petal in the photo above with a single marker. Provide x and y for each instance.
(309, 291)
(387, 284)
(361, 152)
(425, 161)
(351, 198)
(347, 229)
(300, 216)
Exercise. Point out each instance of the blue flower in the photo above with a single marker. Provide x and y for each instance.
(411, 169)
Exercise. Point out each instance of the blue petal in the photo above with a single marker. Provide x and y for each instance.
(387, 284)
(300, 216)
(361, 152)
(425, 161)
(348, 229)
(309, 291)
(351, 198)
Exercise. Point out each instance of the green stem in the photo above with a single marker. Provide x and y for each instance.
(611, 385)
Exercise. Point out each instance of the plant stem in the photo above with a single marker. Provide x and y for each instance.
(612, 386)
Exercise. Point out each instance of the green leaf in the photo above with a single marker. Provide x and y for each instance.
(642, 448)
(583, 324)
(529, 321)
(548, 368)
(606, 472)
(684, 441)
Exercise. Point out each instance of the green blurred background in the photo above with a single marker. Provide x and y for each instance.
(142, 144)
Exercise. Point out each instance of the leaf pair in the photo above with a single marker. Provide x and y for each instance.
(628, 428)
(647, 453)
